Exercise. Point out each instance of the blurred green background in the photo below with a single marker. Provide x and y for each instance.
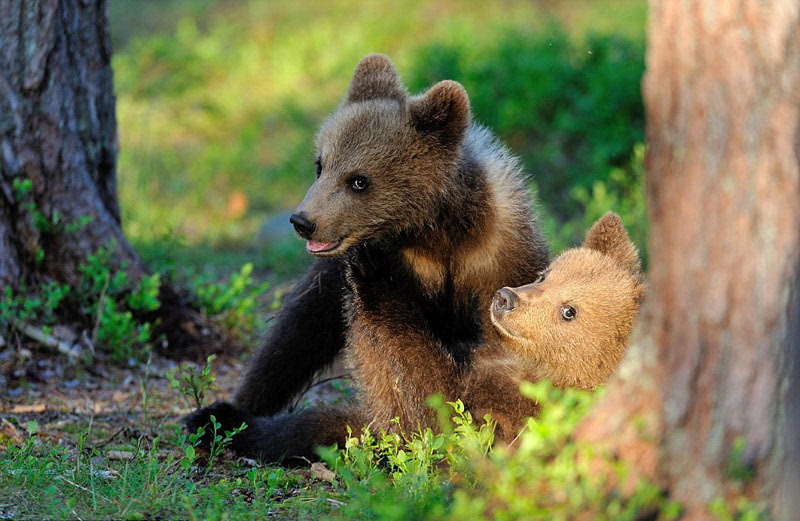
(219, 101)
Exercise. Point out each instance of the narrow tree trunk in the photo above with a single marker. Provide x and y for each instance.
(789, 499)
(58, 129)
(722, 97)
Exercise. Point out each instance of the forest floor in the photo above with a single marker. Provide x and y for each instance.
(103, 441)
(59, 394)
(53, 391)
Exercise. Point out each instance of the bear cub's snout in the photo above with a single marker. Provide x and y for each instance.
(304, 227)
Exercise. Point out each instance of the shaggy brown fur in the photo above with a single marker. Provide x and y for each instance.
(418, 215)
(601, 283)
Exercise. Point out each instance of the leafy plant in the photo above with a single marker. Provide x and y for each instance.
(144, 296)
(189, 443)
(738, 467)
(105, 301)
(455, 475)
(20, 308)
(52, 225)
(193, 385)
(23, 194)
(120, 332)
(220, 439)
(234, 301)
(410, 470)
(217, 441)
(740, 510)
(110, 300)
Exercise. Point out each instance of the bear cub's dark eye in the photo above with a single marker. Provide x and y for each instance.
(568, 312)
(318, 164)
(540, 278)
(358, 183)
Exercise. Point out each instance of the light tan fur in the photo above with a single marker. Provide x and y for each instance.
(429, 270)
(603, 282)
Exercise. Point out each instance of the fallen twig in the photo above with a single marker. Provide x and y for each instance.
(29, 408)
(71, 350)
(109, 440)
(81, 487)
(121, 455)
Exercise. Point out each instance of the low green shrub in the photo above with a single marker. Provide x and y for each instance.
(18, 308)
(456, 474)
(193, 384)
(105, 303)
(234, 301)
(113, 305)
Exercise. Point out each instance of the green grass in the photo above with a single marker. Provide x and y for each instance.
(92, 469)
(41, 481)
(388, 476)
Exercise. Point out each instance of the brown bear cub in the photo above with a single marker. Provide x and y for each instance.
(417, 215)
(571, 326)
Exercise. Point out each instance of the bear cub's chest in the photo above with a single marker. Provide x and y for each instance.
(381, 287)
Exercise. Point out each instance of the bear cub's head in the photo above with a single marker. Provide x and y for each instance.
(573, 323)
(384, 159)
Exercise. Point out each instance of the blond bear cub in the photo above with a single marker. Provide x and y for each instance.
(570, 326)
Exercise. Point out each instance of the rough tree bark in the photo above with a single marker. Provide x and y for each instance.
(58, 129)
(710, 364)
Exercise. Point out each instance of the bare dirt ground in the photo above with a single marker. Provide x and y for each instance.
(65, 397)
(106, 400)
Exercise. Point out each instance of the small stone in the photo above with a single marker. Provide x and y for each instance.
(65, 333)
(321, 472)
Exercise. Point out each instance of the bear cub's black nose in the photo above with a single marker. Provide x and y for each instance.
(505, 299)
(302, 225)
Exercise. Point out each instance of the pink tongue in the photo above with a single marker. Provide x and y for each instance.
(319, 246)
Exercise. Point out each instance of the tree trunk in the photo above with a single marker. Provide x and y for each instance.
(58, 129)
(710, 365)
(791, 481)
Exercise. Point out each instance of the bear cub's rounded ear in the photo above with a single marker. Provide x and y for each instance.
(442, 111)
(609, 237)
(374, 78)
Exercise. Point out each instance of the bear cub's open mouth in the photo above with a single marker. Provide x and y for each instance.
(322, 247)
